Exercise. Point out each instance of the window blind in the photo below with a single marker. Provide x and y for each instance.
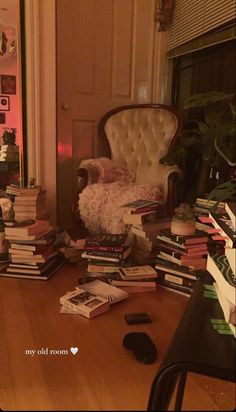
(193, 18)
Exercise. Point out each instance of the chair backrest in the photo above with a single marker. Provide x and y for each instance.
(141, 135)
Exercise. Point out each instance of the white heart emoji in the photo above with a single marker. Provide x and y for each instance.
(74, 350)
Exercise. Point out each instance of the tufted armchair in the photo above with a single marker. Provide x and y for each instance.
(137, 137)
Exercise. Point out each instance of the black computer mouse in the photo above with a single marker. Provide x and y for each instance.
(142, 347)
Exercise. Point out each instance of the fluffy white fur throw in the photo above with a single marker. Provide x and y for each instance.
(99, 203)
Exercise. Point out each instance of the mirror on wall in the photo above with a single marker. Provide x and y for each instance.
(12, 131)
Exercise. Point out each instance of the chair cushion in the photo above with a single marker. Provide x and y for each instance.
(109, 170)
(99, 204)
(141, 137)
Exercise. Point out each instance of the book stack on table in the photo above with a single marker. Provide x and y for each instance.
(144, 219)
(222, 266)
(31, 251)
(28, 203)
(180, 260)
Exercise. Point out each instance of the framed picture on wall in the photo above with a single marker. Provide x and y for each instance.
(8, 84)
(4, 103)
(2, 118)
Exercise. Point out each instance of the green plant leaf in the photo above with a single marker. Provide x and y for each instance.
(223, 191)
(203, 99)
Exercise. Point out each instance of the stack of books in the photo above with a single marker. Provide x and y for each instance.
(31, 251)
(106, 251)
(222, 267)
(135, 279)
(28, 203)
(91, 299)
(180, 260)
(9, 153)
(145, 220)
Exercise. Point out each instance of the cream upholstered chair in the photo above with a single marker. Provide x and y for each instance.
(137, 136)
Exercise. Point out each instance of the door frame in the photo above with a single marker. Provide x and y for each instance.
(40, 49)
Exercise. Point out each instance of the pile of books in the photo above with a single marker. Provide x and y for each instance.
(107, 252)
(222, 267)
(145, 220)
(9, 153)
(135, 279)
(91, 299)
(180, 260)
(31, 251)
(28, 203)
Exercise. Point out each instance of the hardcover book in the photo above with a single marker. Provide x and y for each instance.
(223, 222)
(139, 218)
(220, 269)
(109, 240)
(36, 274)
(179, 280)
(140, 203)
(171, 267)
(27, 228)
(107, 255)
(230, 208)
(182, 241)
(85, 303)
(227, 307)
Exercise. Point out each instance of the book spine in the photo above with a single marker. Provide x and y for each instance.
(118, 249)
(175, 286)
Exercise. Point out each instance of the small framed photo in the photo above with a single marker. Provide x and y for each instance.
(2, 118)
(8, 84)
(4, 103)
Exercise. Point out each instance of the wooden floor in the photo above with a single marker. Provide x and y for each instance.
(102, 375)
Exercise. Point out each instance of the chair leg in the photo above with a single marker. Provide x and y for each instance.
(180, 391)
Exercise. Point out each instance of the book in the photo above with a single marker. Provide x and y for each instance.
(118, 241)
(174, 287)
(220, 270)
(200, 250)
(182, 241)
(138, 272)
(107, 255)
(174, 268)
(195, 263)
(105, 290)
(223, 222)
(151, 229)
(33, 259)
(27, 228)
(227, 307)
(145, 283)
(85, 303)
(179, 280)
(139, 289)
(140, 203)
(230, 208)
(26, 274)
(139, 218)
(42, 238)
(231, 256)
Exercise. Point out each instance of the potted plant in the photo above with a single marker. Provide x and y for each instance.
(9, 136)
(207, 143)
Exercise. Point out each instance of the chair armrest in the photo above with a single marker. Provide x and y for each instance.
(85, 176)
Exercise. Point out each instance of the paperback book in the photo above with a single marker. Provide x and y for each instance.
(105, 290)
(220, 269)
(37, 274)
(85, 303)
